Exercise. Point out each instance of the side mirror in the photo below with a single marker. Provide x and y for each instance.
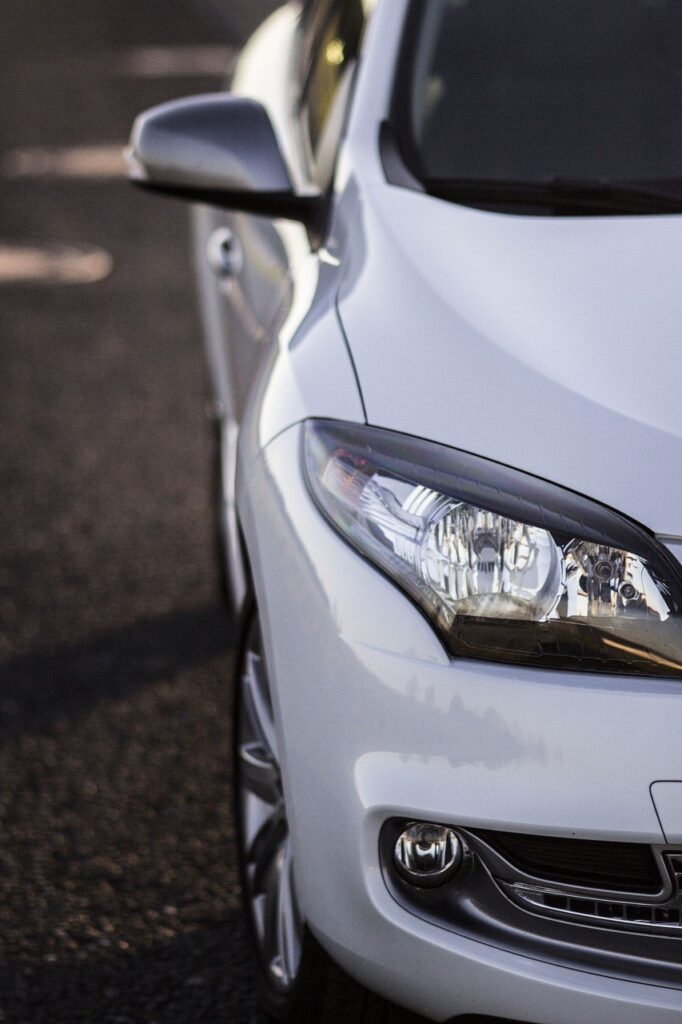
(216, 149)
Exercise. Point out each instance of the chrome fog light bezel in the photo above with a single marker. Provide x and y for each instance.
(426, 841)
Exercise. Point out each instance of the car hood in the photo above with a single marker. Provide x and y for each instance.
(549, 344)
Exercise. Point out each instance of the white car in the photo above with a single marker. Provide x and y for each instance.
(443, 314)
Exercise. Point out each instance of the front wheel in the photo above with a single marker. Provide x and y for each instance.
(298, 981)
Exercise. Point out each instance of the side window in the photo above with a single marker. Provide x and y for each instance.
(313, 18)
(339, 26)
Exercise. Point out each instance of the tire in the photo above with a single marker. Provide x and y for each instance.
(298, 982)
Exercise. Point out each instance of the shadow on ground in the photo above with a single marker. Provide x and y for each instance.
(48, 685)
(118, 890)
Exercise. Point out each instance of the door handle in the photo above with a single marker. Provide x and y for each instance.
(224, 253)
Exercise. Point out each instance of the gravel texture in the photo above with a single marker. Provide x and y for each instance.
(118, 892)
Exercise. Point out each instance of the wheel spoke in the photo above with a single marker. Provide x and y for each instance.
(288, 921)
(264, 832)
(259, 773)
(265, 848)
(257, 703)
(255, 812)
(271, 945)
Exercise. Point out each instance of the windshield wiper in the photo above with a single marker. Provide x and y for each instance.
(565, 195)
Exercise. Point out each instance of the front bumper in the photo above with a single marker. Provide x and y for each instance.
(376, 722)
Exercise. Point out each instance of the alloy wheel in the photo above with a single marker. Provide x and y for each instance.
(264, 833)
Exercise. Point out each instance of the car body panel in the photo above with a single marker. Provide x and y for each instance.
(239, 310)
(308, 371)
(470, 329)
(381, 723)
(667, 797)
(549, 344)
(541, 343)
(251, 316)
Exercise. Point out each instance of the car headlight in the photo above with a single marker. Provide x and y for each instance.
(506, 566)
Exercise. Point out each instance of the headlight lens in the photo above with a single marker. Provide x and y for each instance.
(507, 567)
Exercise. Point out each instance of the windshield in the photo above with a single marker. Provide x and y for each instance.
(543, 91)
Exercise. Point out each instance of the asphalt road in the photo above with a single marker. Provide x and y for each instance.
(118, 894)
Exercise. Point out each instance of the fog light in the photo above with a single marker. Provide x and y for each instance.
(428, 855)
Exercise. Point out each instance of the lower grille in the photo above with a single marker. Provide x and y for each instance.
(635, 936)
(646, 916)
(622, 867)
(626, 886)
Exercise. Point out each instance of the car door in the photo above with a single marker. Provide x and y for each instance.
(241, 266)
(299, 65)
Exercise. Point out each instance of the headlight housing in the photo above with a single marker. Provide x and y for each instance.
(507, 567)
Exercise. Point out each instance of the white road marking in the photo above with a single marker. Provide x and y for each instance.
(137, 61)
(105, 161)
(53, 264)
(175, 61)
(101, 161)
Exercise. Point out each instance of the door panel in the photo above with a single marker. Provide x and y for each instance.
(239, 308)
(255, 296)
(242, 300)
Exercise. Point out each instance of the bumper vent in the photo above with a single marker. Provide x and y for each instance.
(621, 867)
(627, 886)
(556, 900)
(597, 911)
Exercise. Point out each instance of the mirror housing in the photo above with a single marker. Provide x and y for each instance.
(216, 149)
